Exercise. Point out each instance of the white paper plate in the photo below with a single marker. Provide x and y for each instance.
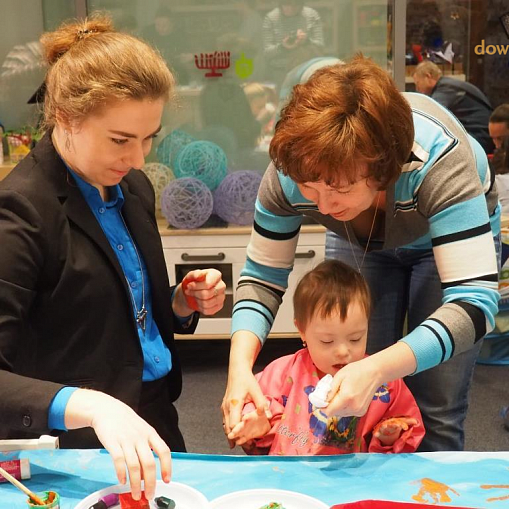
(254, 499)
(184, 496)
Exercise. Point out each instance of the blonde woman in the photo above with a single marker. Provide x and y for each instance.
(87, 311)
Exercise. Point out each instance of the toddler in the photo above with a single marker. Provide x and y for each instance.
(331, 310)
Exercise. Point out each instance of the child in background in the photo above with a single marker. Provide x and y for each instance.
(331, 309)
(262, 106)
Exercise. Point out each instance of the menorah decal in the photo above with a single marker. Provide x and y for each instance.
(213, 61)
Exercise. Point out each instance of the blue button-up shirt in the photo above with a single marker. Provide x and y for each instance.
(156, 355)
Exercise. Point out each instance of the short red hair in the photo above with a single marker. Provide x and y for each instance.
(343, 116)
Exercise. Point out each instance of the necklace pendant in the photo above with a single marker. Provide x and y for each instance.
(141, 318)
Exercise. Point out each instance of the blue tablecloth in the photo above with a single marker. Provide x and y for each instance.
(470, 479)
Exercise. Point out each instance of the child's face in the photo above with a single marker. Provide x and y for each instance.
(332, 344)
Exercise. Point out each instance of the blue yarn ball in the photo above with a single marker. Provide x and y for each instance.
(203, 160)
(234, 199)
(170, 146)
(186, 203)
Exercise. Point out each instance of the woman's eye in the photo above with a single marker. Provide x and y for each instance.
(119, 141)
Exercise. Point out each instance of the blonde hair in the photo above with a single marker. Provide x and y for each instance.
(330, 287)
(428, 68)
(343, 116)
(91, 64)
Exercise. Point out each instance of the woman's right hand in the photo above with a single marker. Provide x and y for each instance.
(125, 435)
(242, 386)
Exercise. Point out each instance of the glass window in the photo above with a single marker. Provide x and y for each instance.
(236, 63)
(467, 39)
(21, 69)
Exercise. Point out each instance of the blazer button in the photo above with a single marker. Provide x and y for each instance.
(27, 421)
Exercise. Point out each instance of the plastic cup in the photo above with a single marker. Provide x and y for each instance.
(52, 499)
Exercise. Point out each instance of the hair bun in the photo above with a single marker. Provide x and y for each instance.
(58, 42)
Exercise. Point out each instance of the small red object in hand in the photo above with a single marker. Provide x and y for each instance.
(191, 301)
(127, 501)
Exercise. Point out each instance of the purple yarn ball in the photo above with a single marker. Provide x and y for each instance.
(186, 203)
(234, 199)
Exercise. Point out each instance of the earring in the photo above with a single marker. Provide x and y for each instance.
(67, 140)
(304, 344)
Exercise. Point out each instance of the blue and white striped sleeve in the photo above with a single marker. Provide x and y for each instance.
(270, 257)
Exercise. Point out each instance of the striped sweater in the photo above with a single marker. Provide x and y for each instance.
(443, 200)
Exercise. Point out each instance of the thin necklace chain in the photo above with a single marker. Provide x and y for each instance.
(359, 267)
(141, 314)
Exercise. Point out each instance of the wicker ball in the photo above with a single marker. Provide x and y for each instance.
(234, 199)
(160, 176)
(203, 160)
(186, 203)
(170, 146)
(222, 136)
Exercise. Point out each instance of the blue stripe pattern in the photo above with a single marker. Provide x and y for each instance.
(428, 133)
(277, 224)
(272, 275)
(252, 317)
(484, 297)
(460, 216)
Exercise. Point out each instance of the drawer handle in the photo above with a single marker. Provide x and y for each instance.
(310, 254)
(203, 258)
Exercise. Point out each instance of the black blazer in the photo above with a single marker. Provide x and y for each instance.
(65, 309)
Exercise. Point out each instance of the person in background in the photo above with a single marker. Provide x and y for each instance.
(262, 107)
(331, 310)
(499, 125)
(292, 33)
(405, 194)
(87, 314)
(466, 101)
(500, 165)
(166, 35)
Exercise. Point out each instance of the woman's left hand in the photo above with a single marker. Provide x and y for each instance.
(202, 290)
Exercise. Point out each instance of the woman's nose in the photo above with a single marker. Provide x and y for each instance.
(136, 157)
(326, 204)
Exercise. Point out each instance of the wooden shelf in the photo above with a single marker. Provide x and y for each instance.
(228, 230)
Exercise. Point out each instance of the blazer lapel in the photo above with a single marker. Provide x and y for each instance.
(79, 213)
(73, 202)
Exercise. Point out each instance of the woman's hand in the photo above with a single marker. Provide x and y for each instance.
(352, 389)
(125, 435)
(355, 384)
(202, 291)
(242, 385)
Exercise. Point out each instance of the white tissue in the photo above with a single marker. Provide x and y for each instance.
(318, 397)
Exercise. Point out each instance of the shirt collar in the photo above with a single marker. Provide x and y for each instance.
(92, 195)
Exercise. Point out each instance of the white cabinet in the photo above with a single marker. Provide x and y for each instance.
(225, 249)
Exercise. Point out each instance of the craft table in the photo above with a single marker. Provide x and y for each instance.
(478, 480)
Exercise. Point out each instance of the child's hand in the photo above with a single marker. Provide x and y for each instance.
(389, 430)
(255, 424)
